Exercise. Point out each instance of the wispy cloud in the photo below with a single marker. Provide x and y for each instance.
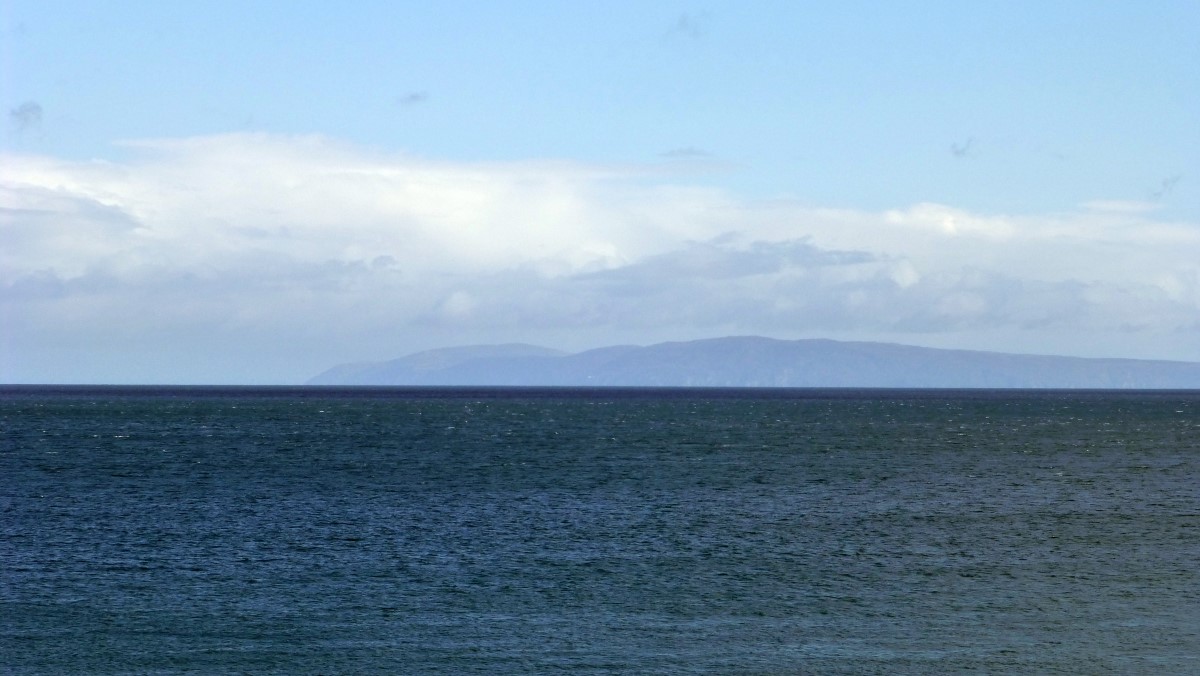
(413, 98)
(1120, 206)
(689, 25)
(26, 116)
(1165, 187)
(964, 149)
(683, 153)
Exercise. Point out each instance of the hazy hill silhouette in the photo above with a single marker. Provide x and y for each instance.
(761, 362)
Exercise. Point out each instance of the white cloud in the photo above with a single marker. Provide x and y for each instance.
(1121, 206)
(321, 252)
(949, 221)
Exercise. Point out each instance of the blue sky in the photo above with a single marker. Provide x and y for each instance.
(250, 192)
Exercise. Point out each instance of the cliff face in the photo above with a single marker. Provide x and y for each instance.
(761, 362)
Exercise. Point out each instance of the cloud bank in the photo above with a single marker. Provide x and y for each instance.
(266, 258)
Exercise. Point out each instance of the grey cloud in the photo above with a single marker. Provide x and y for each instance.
(51, 285)
(689, 25)
(764, 286)
(122, 261)
(50, 229)
(717, 287)
(39, 285)
(720, 259)
(1165, 187)
(964, 149)
(413, 98)
(26, 116)
(782, 288)
(43, 206)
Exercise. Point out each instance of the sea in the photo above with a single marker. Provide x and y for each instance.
(154, 530)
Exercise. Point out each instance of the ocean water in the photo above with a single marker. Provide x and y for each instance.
(159, 531)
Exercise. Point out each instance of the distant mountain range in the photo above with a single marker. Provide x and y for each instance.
(761, 362)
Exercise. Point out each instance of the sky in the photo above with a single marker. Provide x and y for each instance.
(252, 192)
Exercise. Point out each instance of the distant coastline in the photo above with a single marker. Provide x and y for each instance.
(752, 361)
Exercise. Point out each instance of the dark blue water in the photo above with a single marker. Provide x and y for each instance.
(602, 531)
